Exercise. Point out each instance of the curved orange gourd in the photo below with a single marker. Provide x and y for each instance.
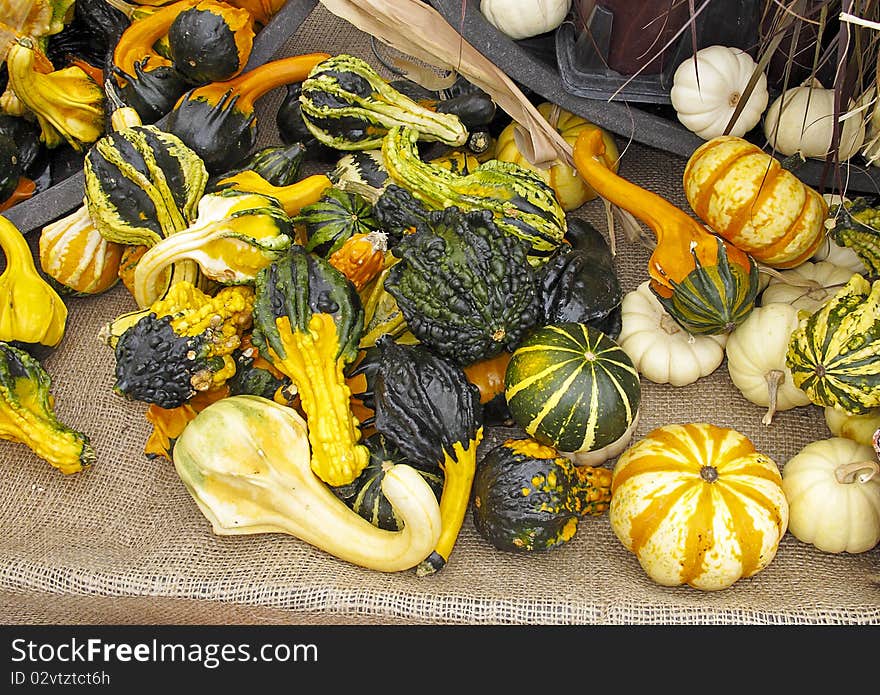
(707, 284)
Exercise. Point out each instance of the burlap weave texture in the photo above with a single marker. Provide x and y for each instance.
(124, 542)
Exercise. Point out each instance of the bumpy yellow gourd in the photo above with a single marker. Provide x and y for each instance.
(31, 311)
(337, 458)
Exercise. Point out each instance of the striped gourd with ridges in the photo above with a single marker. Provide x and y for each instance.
(746, 196)
(698, 505)
(570, 386)
(521, 202)
(833, 353)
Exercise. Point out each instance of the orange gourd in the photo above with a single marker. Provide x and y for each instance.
(361, 258)
(698, 505)
(705, 283)
(746, 196)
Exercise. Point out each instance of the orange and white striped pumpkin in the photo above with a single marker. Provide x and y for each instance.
(698, 505)
(73, 253)
(745, 195)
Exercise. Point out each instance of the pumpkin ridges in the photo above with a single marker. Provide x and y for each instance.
(700, 531)
(644, 525)
(700, 204)
(744, 526)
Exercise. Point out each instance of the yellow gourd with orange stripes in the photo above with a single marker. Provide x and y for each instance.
(698, 505)
(745, 195)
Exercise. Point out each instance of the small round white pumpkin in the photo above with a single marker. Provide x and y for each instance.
(756, 352)
(858, 427)
(660, 349)
(708, 86)
(522, 19)
(807, 286)
(831, 251)
(801, 119)
(833, 492)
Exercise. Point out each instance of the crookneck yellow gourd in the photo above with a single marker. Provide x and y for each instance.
(31, 311)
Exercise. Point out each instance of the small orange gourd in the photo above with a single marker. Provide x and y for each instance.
(361, 258)
(746, 196)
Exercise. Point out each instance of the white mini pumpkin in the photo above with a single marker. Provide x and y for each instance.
(833, 492)
(708, 86)
(522, 19)
(756, 352)
(660, 349)
(807, 286)
(801, 119)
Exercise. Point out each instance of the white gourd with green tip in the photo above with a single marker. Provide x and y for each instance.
(833, 492)
(708, 87)
(756, 352)
(660, 349)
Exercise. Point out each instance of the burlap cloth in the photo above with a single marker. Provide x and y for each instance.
(124, 542)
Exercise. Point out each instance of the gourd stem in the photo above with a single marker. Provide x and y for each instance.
(773, 378)
(661, 216)
(857, 472)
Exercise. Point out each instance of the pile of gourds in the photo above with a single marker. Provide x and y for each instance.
(354, 332)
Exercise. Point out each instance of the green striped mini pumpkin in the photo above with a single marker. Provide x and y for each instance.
(570, 386)
(834, 354)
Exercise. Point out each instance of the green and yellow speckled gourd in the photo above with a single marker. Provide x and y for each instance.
(527, 497)
(521, 202)
(308, 320)
(857, 226)
(347, 105)
(833, 353)
(27, 415)
(704, 282)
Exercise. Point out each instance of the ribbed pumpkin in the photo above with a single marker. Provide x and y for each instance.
(698, 505)
(746, 196)
(570, 188)
(334, 219)
(75, 255)
(570, 386)
(833, 354)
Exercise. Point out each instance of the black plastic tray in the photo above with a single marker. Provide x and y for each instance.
(65, 196)
(532, 70)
